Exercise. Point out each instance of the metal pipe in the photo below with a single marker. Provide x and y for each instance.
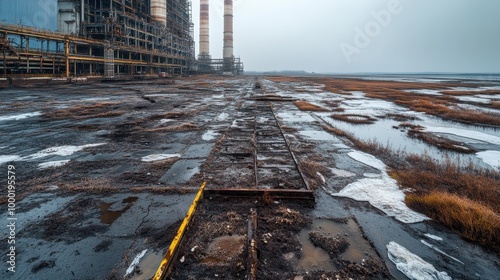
(204, 28)
(228, 29)
(159, 11)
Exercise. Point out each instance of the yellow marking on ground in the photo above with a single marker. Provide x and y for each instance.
(167, 260)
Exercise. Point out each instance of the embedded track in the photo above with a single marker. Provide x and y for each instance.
(222, 233)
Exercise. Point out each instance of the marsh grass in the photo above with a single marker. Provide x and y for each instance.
(469, 219)
(99, 110)
(310, 168)
(463, 198)
(306, 106)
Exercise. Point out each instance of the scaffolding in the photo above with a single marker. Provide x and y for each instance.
(102, 37)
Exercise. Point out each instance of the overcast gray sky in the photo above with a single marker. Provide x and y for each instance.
(360, 36)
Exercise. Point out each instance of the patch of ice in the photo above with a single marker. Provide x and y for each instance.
(158, 157)
(428, 235)
(474, 99)
(383, 193)
(372, 175)
(425, 91)
(317, 135)
(49, 164)
(19, 117)
(222, 117)
(6, 158)
(491, 158)
(209, 135)
(440, 251)
(342, 173)
(367, 159)
(60, 151)
(135, 262)
(472, 134)
(411, 265)
(164, 121)
(322, 177)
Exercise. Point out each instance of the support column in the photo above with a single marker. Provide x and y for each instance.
(66, 54)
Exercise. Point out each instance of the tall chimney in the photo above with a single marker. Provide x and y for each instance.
(228, 29)
(158, 11)
(204, 28)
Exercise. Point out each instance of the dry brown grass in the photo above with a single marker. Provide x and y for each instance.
(89, 185)
(354, 119)
(306, 106)
(169, 115)
(462, 198)
(99, 110)
(441, 106)
(468, 218)
(495, 104)
(310, 169)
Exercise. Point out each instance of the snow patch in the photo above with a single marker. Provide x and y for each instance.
(413, 266)
(158, 157)
(472, 134)
(342, 173)
(383, 192)
(135, 262)
(6, 158)
(209, 135)
(428, 235)
(19, 117)
(491, 158)
(367, 159)
(322, 177)
(60, 151)
(425, 91)
(222, 117)
(49, 164)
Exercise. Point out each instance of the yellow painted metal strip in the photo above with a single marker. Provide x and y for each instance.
(167, 260)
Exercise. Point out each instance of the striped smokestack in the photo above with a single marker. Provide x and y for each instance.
(228, 29)
(204, 28)
(159, 11)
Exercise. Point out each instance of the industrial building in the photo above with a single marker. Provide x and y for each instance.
(112, 38)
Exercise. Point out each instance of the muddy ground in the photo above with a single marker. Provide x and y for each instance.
(124, 163)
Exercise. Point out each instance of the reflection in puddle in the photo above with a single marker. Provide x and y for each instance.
(312, 256)
(316, 258)
(108, 217)
(148, 266)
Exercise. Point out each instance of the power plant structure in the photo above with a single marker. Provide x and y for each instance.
(113, 38)
(228, 65)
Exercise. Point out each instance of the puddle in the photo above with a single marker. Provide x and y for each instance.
(224, 249)
(312, 256)
(181, 171)
(318, 135)
(358, 249)
(108, 217)
(342, 173)
(316, 258)
(198, 151)
(148, 264)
